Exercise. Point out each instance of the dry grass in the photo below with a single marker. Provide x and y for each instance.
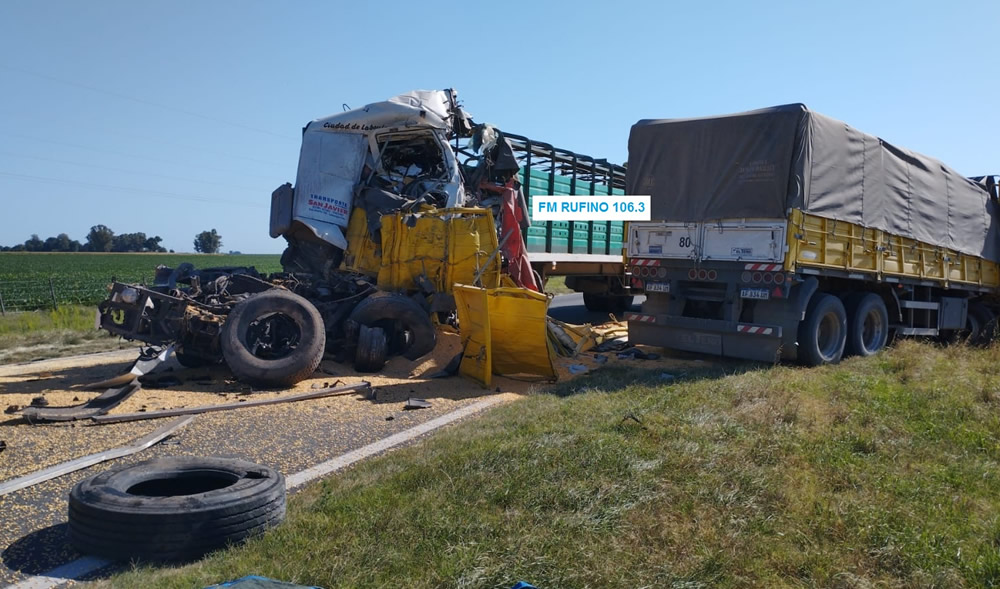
(36, 335)
(877, 472)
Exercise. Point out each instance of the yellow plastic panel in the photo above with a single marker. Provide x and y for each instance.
(504, 331)
(474, 327)
(449, 246)
(519, 332)
(362, 253)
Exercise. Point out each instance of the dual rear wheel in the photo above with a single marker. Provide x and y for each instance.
(857, 326)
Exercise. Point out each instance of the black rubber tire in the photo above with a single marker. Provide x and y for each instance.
(867, 324)
(823, 333)
(280, 372)
(372, 349)
(596, 302)
(607, 303)
(196, 505)
(383, 309)
(622, 302)
(985, 321)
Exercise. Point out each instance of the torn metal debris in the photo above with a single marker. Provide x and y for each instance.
(99, 405)
(356, 388)
(83, 462)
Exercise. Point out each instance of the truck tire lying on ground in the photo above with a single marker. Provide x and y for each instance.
(174, 508)
(273, 339)
(407, 326)
(823, 333)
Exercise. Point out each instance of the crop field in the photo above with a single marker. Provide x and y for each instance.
(31, 281)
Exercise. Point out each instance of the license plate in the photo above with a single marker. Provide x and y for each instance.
(755, 293)
(657, 287)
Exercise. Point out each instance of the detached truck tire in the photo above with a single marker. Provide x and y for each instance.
(174, 508)
(399, 315)
(274, 339)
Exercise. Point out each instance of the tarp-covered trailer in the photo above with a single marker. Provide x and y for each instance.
(783, 233)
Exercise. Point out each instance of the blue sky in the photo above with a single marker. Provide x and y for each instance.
(175, 117)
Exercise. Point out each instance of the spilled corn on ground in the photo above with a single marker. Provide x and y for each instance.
(290, 437)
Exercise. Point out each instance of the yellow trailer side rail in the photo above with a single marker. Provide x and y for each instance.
(820, 243)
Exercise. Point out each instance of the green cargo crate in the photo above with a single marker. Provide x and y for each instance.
(536, 243)
(576, 237)
(560, 240)
(598, 246)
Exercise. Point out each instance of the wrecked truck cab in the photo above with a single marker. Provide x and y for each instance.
(381, 157)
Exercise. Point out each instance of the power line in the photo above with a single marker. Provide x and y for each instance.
(122, 170)
(170, 195)
(143, 101)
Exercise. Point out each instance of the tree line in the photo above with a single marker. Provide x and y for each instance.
(102, 239)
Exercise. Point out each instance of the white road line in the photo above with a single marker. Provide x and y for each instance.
(89, 564)
(335, 464)
(63, 574)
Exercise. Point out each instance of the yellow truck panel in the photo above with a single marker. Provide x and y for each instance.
(448, 246)
(820, 243)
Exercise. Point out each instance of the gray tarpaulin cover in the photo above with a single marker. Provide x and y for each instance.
(762, 163)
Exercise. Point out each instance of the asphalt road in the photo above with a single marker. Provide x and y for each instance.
(569, 308)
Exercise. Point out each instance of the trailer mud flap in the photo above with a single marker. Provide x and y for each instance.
(504, 331)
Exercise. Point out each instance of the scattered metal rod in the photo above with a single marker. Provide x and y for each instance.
(73, 465)
(330, 392)
(489, 259)
(99, 405)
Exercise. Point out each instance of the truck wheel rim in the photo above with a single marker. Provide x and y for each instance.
(872, 331)
(828, 335)
(273, 336)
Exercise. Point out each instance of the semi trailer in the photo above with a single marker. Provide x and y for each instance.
(784, 234)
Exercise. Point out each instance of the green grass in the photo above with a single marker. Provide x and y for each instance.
(35, 335)
(33, 266)
(877, 472)
(82, 278)
(557, 285)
